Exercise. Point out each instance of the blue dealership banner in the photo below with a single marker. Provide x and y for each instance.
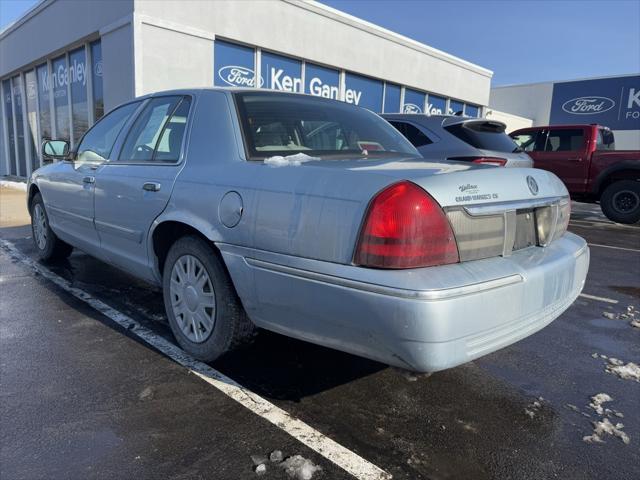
(413, 101)
(363, 91)
(233, 65)
(281, 73)
(322, 81)
(612, 102)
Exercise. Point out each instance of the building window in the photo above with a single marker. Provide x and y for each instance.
(6, 91)
(60, 98)
(31, 91)
(363, 91)
(78, 80)
(281, 73)
(455, 107)
(17, 111)
(413, 101)
(233, 65)
(391, 98)
(436, 105)
(322, 81)
(96, 80)
(471, 111)
(44, 106)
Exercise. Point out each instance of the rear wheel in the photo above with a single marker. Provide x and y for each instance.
(620, 201)
(48, 245)
(204, 311)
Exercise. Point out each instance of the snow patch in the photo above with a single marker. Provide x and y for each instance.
(598, 400)
(605, 427)
(260, 469)
(632, 314)
(629, 371)
(299, 467)
(534, 407)
(289, 161)
(14, 185)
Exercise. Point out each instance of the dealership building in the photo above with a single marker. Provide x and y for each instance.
(610, 101)
(67, 62)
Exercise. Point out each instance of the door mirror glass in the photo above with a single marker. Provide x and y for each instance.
(55, 149)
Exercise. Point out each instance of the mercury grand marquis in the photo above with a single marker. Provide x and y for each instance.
(312, 218)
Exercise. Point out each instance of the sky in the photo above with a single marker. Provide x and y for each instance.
(521, 41)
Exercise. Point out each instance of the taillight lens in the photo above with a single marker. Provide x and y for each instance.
(405, 228)
(498, 162)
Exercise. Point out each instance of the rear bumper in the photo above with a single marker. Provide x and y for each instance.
(425, 319)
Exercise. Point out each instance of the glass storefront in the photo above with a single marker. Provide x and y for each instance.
(391, 98)
(56, 99)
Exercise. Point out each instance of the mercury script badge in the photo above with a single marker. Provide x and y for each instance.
(533, 185)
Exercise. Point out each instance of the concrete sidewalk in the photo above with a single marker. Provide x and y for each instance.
(13, 207)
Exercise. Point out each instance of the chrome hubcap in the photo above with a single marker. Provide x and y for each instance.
(193, 300)
(39, 222)
(625, 201)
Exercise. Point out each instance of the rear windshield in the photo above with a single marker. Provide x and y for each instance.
(284, 124)
(484, 135)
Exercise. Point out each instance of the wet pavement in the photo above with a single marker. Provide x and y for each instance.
(82, 398)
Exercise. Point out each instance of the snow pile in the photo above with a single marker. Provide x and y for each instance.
(534, 407)
(276, 456)
(15, 185)
(605, 427)
(289, 161)
(631, 314)
(598, 400)
(630, 371)
(299, 467)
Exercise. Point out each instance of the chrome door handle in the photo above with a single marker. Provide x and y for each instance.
(151, 186)
(575, 159)
(89, 179)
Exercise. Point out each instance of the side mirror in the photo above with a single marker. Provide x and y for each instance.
(55, 150)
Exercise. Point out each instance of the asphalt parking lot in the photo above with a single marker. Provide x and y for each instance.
(84, 395)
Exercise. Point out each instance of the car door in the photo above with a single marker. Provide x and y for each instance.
(133, 189)
(69, 190)
(563, 151)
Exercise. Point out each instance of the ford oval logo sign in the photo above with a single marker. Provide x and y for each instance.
(588, 105)
(411, 108)
(237, 76)
(533, 185)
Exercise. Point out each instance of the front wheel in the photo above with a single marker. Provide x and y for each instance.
(620, 201)
(204, 311)
(48, 245)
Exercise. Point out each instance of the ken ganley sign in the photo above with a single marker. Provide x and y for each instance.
(613, 102)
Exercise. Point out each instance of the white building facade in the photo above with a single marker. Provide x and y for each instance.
(67, 62)
(610, 101)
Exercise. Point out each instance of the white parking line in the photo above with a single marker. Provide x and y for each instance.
(323, 445)
(600, 299)
(615, 248)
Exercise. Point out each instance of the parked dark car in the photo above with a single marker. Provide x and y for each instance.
(477, 140)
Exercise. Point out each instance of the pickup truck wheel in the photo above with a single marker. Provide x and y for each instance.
(620, 201)
(48, 245)
(204, 311)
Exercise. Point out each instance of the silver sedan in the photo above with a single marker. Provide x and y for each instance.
(312, 218)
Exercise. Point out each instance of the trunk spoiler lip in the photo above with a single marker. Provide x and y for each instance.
(453, 120)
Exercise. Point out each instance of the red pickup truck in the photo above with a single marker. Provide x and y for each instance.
(585, 159)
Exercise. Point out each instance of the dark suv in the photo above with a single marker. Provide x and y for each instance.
(444, 137)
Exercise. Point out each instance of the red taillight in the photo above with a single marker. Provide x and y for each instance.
(498, 162)
(405, 228)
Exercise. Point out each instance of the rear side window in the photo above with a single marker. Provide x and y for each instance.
(565, 140)
(526, 141)
(157, 133)
(97, 143)
(412, 133)
(484, 135)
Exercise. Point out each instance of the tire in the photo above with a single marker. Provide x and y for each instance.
(204, 328)
(620, 201)
(47, 243)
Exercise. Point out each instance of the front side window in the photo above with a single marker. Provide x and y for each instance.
(157, 133)
(565, 140)
(526, 141)
(281, 124)
(412, 133)
(97, 143)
